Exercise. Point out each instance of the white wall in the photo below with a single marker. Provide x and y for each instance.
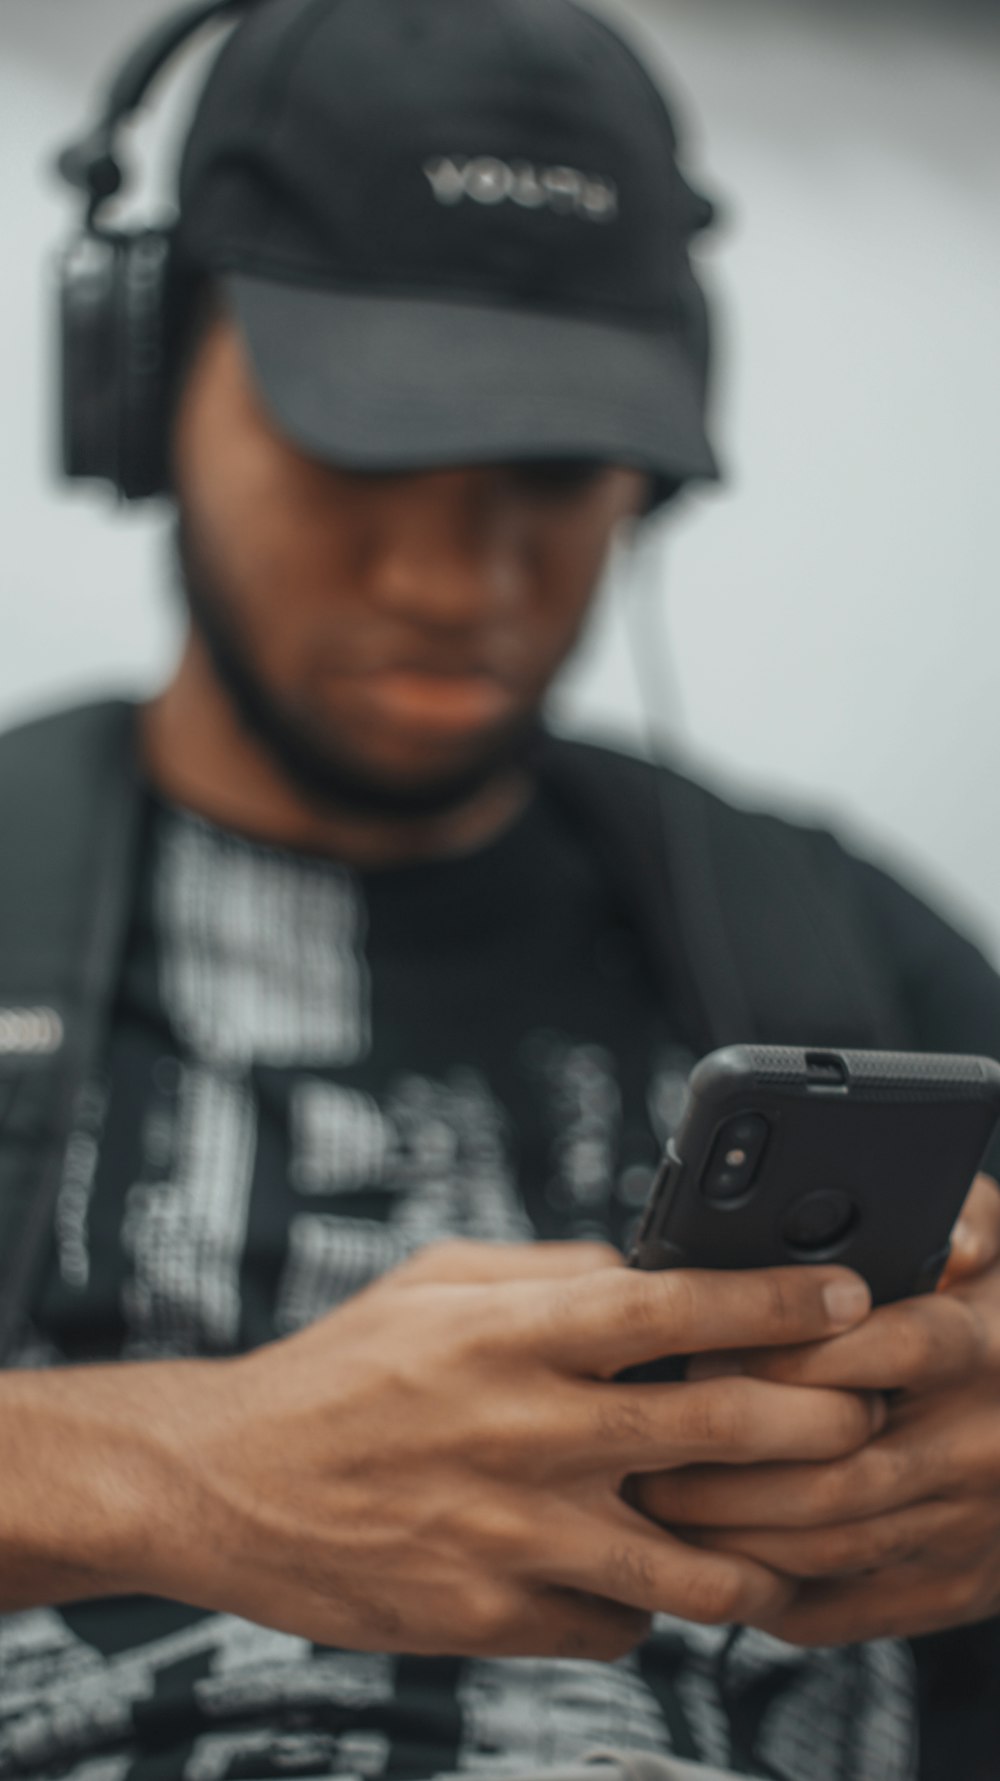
(829, 625)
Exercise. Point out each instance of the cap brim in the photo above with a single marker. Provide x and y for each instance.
(408, 383)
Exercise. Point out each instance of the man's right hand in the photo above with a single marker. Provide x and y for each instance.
(436, 1466)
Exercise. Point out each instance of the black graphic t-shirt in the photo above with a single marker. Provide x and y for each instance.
(311, 1074)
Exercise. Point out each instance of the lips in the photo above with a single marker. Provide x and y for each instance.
(428, 700)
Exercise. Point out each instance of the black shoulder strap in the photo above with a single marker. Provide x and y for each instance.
(750, 923)
(69, 806)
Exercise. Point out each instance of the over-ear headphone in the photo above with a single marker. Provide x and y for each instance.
(118, 294)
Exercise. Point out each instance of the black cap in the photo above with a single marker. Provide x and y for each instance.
(452, 231)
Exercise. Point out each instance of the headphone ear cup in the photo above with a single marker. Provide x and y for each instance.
(114, 318)
(87, 309)
(145, 289)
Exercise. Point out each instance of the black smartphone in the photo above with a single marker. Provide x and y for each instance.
(789, 1155)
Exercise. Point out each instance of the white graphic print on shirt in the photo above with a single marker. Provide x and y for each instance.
(184, 1231)
(569, 1706)
(263, 955)
(90, 1699)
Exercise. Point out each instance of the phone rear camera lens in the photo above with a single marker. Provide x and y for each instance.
(735, 1158)
(820, 1222)
(727, 1185)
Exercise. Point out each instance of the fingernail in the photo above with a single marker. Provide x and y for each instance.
(965, 1238)
(879, 1412)
(846, 1301)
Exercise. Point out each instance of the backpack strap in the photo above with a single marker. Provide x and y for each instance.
(69, 806)
(752, 925)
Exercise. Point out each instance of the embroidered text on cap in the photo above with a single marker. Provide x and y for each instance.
(488, 180)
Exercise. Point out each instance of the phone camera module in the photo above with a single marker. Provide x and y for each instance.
(735, 1158)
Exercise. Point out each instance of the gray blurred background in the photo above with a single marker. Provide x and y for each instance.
(829, 624)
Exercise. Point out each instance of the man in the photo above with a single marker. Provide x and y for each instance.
(350, 959)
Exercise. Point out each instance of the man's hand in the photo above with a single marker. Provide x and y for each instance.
(903, 1536)
(437, 1465)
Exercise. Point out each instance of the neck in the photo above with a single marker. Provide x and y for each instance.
(196, 752)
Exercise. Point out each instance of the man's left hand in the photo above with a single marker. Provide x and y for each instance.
(902, 1537)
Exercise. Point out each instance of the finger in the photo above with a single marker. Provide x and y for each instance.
(568, 1623)
(733, 1422)
(891, 1473)
(618, 1318)
(623, 1559)
(464, 1263)
(850, 1549)
(975, 1240)
(916, 1345)
(890, 1604)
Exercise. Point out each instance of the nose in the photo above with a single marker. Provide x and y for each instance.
(442, 548)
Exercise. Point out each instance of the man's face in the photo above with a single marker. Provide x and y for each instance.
(389, 637)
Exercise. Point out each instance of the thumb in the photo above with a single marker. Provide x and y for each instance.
(975, 1240)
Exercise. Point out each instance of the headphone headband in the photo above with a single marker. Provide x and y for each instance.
(90, 163)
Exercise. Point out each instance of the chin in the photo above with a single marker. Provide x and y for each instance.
(421, 780)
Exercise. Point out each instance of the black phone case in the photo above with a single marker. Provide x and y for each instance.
(895, 1136)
